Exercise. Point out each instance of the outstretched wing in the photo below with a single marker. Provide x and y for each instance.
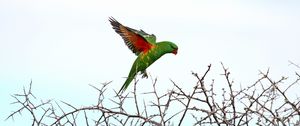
(137, 41)
(150, 38)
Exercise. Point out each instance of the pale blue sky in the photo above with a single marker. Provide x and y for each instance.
(65, 45)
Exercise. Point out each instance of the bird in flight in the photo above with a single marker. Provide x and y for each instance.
(145, 48)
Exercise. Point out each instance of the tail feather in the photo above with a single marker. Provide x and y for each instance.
(136, 67)
(126, 84)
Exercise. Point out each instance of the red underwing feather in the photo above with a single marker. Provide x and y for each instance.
(135, 42)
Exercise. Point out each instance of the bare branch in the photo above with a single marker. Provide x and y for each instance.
(264, 102)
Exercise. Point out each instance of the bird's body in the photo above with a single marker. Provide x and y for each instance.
(144, 46)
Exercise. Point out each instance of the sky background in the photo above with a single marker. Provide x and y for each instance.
(65, 45)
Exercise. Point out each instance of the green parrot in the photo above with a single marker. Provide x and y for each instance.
(144, 46)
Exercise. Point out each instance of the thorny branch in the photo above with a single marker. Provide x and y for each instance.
(265, 102)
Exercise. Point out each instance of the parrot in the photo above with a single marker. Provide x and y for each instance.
(144, 46)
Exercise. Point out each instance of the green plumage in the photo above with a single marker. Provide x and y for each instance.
(144, 46)
(143, 61)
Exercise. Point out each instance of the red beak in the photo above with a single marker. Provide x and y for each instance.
(174, 51)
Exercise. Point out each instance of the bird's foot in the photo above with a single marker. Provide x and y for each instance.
(145, 75)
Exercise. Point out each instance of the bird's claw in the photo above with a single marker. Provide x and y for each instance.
(145, 75)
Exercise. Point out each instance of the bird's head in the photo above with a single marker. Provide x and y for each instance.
(169, 47)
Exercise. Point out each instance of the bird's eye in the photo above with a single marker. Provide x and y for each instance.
(174, 47)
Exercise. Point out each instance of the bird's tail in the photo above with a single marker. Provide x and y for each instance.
(127, 82)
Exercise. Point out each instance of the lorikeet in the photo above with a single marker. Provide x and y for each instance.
(144, 46)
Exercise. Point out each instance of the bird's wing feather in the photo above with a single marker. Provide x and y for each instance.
(150, 38)
(137, 41)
